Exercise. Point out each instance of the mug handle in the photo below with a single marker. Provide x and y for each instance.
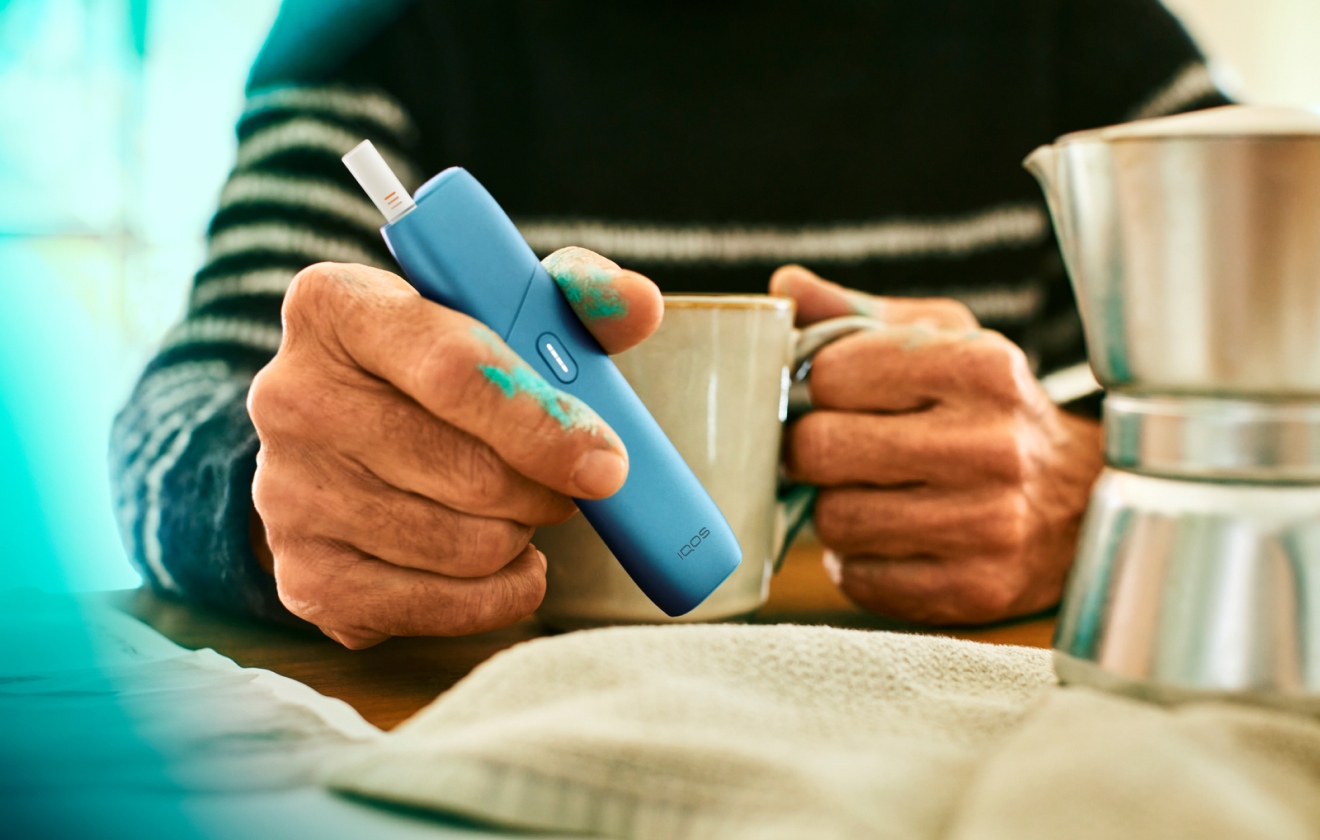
(795, 501)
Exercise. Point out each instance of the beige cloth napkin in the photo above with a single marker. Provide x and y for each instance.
(783, 731)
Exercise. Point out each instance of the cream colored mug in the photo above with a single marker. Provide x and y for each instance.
(718, 377)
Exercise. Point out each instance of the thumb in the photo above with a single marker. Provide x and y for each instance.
(621, 308)
(818, 300)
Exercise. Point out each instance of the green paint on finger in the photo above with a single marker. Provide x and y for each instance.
(864, 304)
(919, 335)
(513, 377)
(491, 340)
(568, 410)
(593, 297)
(588, 286)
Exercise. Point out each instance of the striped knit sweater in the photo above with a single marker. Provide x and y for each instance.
(879, 144)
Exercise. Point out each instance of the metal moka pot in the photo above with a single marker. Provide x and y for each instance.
(1193, 245)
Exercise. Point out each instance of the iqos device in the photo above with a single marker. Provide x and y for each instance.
(459, 249)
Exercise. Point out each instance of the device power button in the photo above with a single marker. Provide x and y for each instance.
(556, 357)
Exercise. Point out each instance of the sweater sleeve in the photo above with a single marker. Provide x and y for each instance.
(183, 450)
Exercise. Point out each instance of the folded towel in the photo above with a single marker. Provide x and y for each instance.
(782, 731)
(1090, 765)
(714, 730)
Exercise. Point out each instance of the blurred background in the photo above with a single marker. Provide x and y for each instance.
(116, 133)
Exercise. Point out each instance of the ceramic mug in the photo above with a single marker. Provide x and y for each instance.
(718, 376)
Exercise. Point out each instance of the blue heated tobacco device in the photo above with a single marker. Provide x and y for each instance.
(458, 248)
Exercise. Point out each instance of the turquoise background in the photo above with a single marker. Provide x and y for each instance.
(116, 133)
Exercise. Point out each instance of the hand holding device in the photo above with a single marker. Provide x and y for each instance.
(458, 248)
(391, 506)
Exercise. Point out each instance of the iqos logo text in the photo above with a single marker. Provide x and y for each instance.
(694, 542)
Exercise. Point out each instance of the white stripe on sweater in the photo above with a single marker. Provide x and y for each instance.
(1002, 227)
(216, 330)
(302, 193)
(351, 103)
(164, 430)
(152, 553)
(271, 281)
(158, 397)
(1191, 83)
(166, 401)
(155, 387)
(280, 238)
(1000, 304)
(309, 134)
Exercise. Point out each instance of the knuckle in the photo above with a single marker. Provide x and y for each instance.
(1002, 454)
(999, 366)
(317, 283)
(958, 314)
(1004, 526)
(446, 369)
(521, 594)
(273, 400)
(992, 595)
(310, 293)
(487, 545)
(302, 587)
(265, 488)
(555, 509)
(302, 497)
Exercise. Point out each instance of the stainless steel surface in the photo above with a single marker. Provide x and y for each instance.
(1185, 587)
(1195, 260)
(1193, 246)
(1214, 439)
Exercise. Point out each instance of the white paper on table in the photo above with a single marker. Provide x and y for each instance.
(215, 726)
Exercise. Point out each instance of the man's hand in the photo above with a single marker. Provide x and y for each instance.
(407, 453)
(951, 486)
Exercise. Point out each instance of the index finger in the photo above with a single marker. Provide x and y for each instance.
(461, 372)
(911, 368)
(818, 299)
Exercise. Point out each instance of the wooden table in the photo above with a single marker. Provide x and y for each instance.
(391, 681)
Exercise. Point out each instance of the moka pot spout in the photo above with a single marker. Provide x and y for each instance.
(1044, 165)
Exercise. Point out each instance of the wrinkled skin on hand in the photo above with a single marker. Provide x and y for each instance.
(952, 488)
(407, 453)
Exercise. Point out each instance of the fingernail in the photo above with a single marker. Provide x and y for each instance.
(833, 567)
(599, 473)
